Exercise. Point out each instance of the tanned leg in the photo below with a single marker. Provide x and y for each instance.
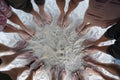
(89, 42)
(52, 73)
(83, 28)
(72, 5)
(4, 48)
(75, 76)
(15, 72)
(46, 16)
(112, 68)
(10, 29)
(30, 76)
(62, 74)
(6, 60)
(61, 5)
(37, 18)
(104, 76)
(80, 74)
(15, 19)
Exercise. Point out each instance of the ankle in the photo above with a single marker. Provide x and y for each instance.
(66, 16)
(62, 14)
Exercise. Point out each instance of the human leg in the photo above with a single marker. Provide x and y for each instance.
(78, 75)
(7, 59)
(112, 68)
(61, 5)
(74, 76)
(88, 42)
(52, 72)
(30, 76)
(20, 45)
(42, 12)
(96, 71)
(14, 18)
(62, 74)
(4, 48)
(81, 75)
(34, 70)
(10, 29)
(72, 5)
(15, 72)
(36, 17)
(27, 7)
(24, 35)
(83, 28)
(91, 46)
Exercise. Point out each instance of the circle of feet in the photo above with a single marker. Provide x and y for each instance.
(57, 52)
(59, 49)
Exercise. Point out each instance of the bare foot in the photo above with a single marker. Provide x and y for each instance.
(83, 29)
(31, 32)
(91, 71)
(62, 74)
(36, 17)
(74, 76)
(88, 43)
(80, 74)
(52, 72)
(41, 67)
(78, 29)
(20, 45)
(90, 50)
(37, 65)
(60, 20)
(24, 35)
(31, 62)
(38, 21)
(89, 59)
(66, 21)
(25, 53)
(47, 17)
